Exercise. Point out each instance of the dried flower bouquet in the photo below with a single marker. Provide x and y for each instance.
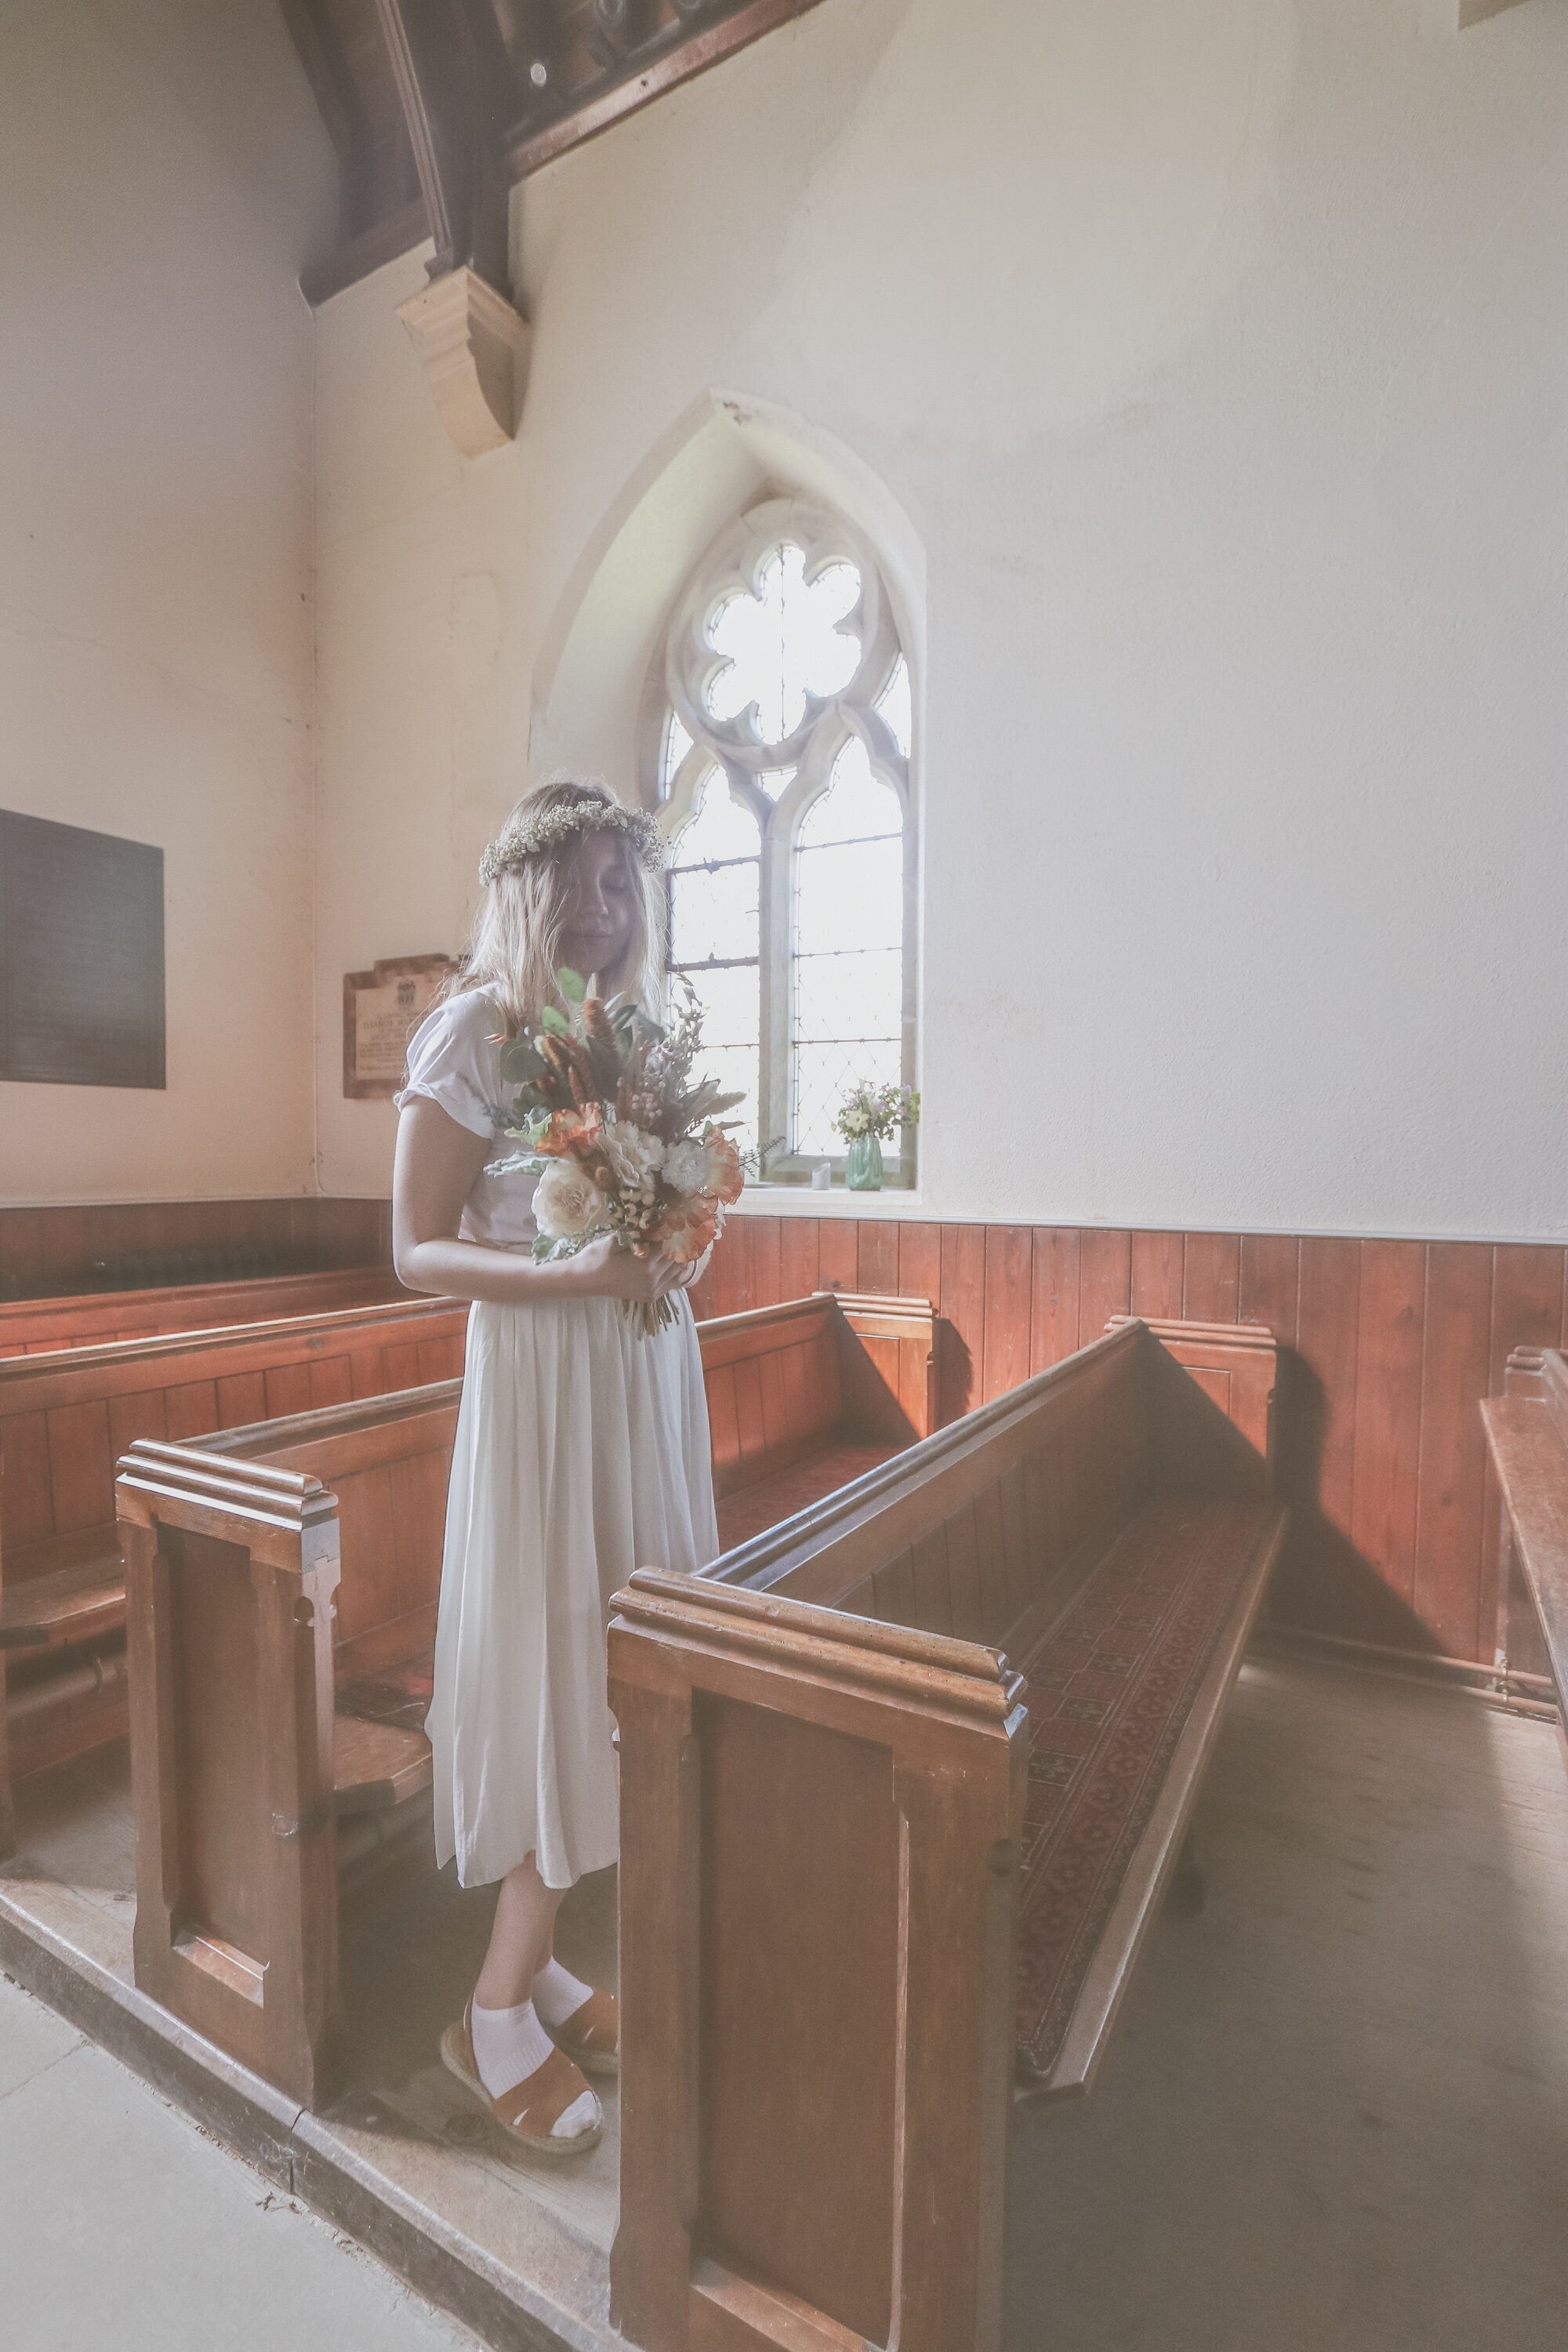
(624, 1137)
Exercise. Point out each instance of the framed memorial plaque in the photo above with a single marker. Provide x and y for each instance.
(382, 1009)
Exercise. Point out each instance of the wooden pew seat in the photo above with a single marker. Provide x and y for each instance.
(1125, 1695)
(750, 1510)
(66, 1605)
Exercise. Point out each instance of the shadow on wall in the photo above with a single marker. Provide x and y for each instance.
(590, 684)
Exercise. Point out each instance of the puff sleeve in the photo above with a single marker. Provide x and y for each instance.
(454, 1059)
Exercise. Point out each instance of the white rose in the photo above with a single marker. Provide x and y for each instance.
(685, 1166)
(567, 1204)
(634, 1156)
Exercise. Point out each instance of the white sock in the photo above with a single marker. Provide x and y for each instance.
(558, 1994)
(509, 2044)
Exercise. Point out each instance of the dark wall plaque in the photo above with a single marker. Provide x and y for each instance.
(82, 956)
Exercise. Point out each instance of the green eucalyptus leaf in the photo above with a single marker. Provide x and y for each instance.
(572, 984)
(520, 1060)
(555, 1022)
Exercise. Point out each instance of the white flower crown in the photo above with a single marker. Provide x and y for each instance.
(529, 836)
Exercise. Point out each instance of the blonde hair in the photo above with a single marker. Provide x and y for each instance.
(514, 949)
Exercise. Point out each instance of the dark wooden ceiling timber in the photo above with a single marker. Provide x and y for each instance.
(435, 107)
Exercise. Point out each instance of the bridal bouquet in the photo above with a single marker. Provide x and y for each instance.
(622, 1135)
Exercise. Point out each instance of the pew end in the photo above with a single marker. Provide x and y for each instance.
(881, 1888)
(880, 1771)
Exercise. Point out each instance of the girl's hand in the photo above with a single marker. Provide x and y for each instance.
(603, 1269)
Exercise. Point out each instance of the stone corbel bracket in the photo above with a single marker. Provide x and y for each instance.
(474, 346)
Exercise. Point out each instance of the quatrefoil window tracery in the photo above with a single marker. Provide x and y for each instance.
(783, 779)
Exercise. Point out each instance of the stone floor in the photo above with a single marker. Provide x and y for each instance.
(1335, 2114)
(122, 2223)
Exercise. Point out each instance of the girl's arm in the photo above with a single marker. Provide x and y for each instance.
(433, 1174)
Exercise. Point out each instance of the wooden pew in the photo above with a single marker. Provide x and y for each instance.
(1527, 1436)
(283, 1583)
(93, 1319)
(66, 1415)
(878, 1888)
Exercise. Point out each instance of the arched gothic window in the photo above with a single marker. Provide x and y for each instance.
(783, 747)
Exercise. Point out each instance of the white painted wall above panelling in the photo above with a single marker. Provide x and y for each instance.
(1218, 359)
(163, 178)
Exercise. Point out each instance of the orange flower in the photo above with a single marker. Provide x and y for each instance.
(687, 1229)
(571, 1134)
(724, 1176)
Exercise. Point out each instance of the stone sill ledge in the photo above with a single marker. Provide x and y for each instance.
(800, 1201)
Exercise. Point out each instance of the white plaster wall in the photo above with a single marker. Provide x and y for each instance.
(1217, 357)
(163, 177)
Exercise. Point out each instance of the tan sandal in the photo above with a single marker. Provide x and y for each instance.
(591, 2034)
(530, 2110)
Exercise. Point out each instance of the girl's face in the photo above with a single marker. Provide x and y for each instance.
(601, 905)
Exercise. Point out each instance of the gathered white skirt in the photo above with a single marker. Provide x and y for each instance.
(582, 1453)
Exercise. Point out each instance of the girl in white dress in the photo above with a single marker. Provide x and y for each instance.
(582, 1453)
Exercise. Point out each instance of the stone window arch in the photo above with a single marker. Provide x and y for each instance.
(779, 743)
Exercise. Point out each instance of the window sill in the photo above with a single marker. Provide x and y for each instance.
(801, 1201)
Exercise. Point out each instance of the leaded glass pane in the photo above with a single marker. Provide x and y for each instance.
(713, 913)
(849, 895)
(719, 828)
(784, 643)
(730, 996)
(857, 992)
(856, 806)
(736, 1069)
(822, 1074)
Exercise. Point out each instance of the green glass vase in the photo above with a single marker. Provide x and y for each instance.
(863, 1164)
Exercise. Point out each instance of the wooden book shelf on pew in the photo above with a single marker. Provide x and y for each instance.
(283, 1579)
(878, 1888)
(67, 1415)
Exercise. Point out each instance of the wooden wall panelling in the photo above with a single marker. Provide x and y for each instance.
(1390, 1319)
(1158, 1266)
(1105, 1279)
(764, 1271)
(838, 1254)
(1451, 1482)
(1322, 1585)
(1053, 1318)
(799, 1258)
(1270, 1283)
(919, 1261)
(876, 1256)
(1211, 1277)
(1388, 1345)
(48, 1250)
(961, 1305)
(1009, 1282)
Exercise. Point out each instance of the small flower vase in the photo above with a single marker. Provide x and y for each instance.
(863, 1164)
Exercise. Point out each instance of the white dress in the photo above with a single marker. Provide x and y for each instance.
(582, 1453)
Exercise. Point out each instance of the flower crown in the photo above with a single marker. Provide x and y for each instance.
(546, 829)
